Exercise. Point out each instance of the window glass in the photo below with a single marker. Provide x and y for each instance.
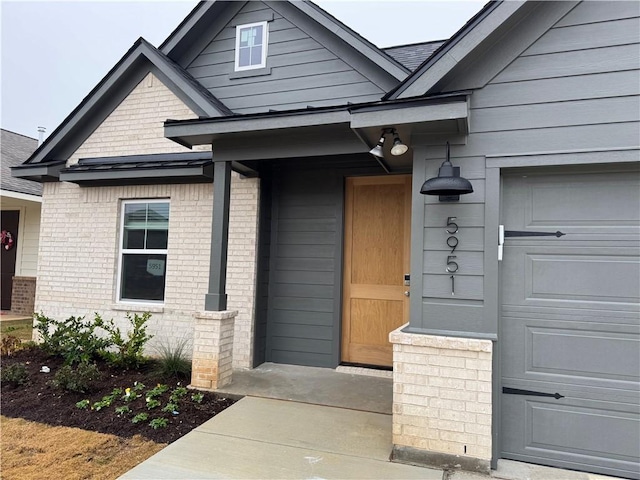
(145, 233)
(251, 46)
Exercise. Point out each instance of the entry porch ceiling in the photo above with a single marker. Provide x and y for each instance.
(324, 131)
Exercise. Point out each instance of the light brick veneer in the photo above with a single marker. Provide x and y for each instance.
(442, 399)
(78, 267)
(212, 350)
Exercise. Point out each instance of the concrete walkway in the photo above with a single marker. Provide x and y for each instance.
(260, 438)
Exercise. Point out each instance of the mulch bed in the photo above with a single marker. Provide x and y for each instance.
(41, 402)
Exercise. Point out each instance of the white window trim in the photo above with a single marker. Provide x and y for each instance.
(123, 251)
(265, 45)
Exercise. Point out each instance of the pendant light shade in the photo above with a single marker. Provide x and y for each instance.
(449, 185)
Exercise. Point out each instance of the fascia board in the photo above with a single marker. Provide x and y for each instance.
(410, 115)
(21, 196)
(176, 130)
(156, 59)
(185, 27)
(426, 77)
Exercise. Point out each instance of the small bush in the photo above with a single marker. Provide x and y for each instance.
(15, 374)
(10, 345)
(83, 404)
(172, 361)
(79, 379)
(197, 397)
(157, 423)
(75, 338)
(129, 349)
(141, 417)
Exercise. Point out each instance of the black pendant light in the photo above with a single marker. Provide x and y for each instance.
(449, 185)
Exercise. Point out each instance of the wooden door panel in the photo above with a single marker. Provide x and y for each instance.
(377, 235)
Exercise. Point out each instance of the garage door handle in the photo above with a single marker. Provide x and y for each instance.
(519, 233)
(517, 391)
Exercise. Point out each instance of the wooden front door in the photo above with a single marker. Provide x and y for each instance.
(376, 258)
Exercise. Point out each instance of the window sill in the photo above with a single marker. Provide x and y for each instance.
(138, 307)
(256, 72)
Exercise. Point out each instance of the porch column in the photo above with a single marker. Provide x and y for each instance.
(216, 299)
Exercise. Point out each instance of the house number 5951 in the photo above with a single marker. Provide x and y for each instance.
(452, 243)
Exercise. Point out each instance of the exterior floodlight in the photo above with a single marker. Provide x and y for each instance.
(398, 148)
(377, 150)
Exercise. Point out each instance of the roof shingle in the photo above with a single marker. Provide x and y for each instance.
(15, 149)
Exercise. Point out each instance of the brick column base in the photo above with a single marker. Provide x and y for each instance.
(442, 401)
(23, 295)
(212, 349)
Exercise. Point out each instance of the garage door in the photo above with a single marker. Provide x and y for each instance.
(570, 320)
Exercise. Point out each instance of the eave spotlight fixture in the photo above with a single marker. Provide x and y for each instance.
(449, 185)
(377, 150)
(398, 147)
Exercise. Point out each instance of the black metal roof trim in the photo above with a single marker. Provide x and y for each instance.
(144, 170)
(350, 107)
(155, 157)
(39, 172)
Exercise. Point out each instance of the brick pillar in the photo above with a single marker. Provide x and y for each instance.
(23, 295)
(213, 349)
(442, 401)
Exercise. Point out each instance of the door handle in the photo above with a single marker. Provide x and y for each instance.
(407, 293)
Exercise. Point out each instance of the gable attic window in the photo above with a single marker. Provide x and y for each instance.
(144, 234)
(251, 46)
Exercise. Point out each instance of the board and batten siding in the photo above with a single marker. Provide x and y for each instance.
(576, 88)
(303, 72)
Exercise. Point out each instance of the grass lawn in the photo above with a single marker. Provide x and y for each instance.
(28, 449)
(21, 329)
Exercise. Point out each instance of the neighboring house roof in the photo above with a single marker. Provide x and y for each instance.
(15, 149)
(414, 54)
(141, 58)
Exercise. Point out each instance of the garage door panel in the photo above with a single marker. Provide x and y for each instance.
(570, 203)
(570, 321)
(572, 276)
(599, 278)
(578, 432)
(571, 352)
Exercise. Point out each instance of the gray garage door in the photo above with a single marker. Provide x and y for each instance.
(570, 320)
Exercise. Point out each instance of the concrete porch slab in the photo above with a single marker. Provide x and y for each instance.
(272, 439)
(319, 386)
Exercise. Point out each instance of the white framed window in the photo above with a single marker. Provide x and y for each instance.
(144, 234)
(251, 46)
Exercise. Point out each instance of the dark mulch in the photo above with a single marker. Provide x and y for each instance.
(41, 402)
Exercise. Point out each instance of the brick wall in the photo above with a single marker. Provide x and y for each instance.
(23, 294)
(135, 127)
(77, 274)
(442, 395)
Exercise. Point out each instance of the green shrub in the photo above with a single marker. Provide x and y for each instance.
(123, 410)
(15, 374)
(172, 361)
(129, 349)
(83, 404)
(79, 379)
(197, 397)
(75, 338)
